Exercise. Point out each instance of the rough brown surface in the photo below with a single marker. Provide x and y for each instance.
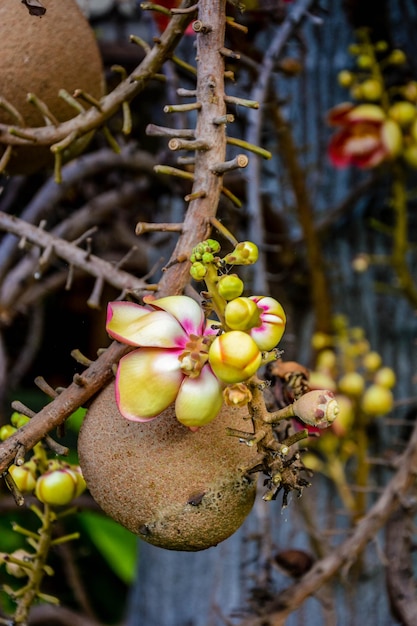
(176, 489)
(42, 55)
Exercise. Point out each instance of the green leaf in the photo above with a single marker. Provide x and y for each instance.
(117, 545)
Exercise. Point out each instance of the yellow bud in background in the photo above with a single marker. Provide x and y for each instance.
(377, 400)
(352, 384)
(403, 112)
(372, 361)
(345, 78)
(392, 137)
(397, 57)
(385, 377)
(371, 89)
(410, 155)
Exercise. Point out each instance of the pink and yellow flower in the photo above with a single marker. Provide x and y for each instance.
(366, 137)
(170, 364)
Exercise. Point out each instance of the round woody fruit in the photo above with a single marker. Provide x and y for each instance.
(40, 55)
(174, 488)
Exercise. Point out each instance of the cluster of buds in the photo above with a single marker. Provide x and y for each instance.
(356, 374)
(380, 125)
(53, 482)
(196, 356)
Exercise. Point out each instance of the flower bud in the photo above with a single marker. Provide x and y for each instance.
(18, 419)
(269, 331)
(397, 57)
(198, 270)
(404, 113)
(234, 357)
(392, 137)
(245, 253)
(23, 477)
(237, 395)
(372, 361)
(242, 314)
(371, 89)
(317, 408)
(6, 431)
(345, 78)
(230, 286)
(410, 155)
(17, 567)
(57, 487)
(377, 400)
(385, 377)
(352, 384)
(364, 61)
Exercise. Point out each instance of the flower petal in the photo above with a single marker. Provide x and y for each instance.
(138, 326)
(147, 382)
(186, 310)
(199, 399)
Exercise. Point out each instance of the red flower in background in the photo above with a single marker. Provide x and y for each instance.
(366, 137)
(162, 20)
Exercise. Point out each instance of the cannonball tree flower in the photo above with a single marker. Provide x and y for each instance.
(367, 137)
(170, 364)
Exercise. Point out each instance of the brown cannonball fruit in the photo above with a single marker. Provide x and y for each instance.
(174, 488)
(42, 55)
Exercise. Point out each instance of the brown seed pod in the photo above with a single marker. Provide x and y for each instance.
(176, 489)
(42, 54)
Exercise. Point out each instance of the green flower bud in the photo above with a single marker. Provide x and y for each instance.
(364, 61)
(230, 286)
(6, 431)
(198, 270)
(18, 419)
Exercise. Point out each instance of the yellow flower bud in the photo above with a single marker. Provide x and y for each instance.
(230, 286)
(377, 400)
(404, 113)
(6, 431)
(410, 155)
(23, 477)
(352, 384)
(397, 57)
(242, 314)
(245, 253)
(385, 377)
(392, 137)
(234, 357)
(345, 78)
(58, 487)
(371, 89)
(372, 361)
